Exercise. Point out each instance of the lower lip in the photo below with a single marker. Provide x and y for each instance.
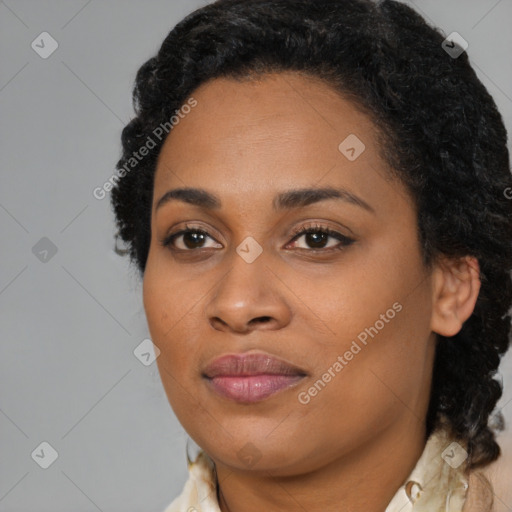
(252, 388)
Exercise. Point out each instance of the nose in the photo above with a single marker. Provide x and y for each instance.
(248, 297)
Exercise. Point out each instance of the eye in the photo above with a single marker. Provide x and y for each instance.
(316, 237)
(191, 238)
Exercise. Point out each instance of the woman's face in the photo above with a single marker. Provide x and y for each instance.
(350, 310)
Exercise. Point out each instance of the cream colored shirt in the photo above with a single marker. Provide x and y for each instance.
(438, 482)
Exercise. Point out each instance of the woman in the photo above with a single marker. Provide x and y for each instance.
(315, 195)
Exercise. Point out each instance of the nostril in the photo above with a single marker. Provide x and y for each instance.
(262, 319)
(216, 321)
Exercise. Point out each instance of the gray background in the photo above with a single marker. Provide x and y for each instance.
(69, 325)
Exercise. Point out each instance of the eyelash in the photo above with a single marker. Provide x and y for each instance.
(297, 233)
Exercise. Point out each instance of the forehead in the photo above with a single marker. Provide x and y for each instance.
(276, 132)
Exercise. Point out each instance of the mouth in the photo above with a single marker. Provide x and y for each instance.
(251, 377)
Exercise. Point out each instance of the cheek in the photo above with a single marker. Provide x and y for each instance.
(163, 309)
(166, 313)
(379, 318)
(171, 309)
(357, 300)
(162, 296)
(380, 381)
(387, 365)
(157, 305)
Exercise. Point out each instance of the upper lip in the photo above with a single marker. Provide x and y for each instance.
(250, 364)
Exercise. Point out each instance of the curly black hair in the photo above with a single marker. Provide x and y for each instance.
(439, 128)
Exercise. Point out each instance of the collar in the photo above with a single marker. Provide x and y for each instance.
(438, 482)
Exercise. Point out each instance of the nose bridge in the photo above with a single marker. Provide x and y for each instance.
(248, 293)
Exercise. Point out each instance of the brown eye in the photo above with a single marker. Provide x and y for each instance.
(190, 239)
(317, 238)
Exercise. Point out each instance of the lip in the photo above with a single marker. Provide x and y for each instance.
(251, 377)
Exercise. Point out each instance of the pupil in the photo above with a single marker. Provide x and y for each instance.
(193, 239)
(320, 239)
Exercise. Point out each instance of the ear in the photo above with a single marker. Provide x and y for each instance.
(455, 287)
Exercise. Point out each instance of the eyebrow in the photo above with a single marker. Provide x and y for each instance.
(284, 201)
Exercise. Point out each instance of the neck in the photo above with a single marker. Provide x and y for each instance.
(365, 479)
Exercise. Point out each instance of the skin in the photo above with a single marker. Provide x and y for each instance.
(356, 441)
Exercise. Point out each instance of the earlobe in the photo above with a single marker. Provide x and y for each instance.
(455, 288)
